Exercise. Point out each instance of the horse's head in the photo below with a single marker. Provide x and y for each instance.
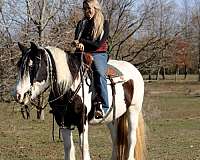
(33, 73)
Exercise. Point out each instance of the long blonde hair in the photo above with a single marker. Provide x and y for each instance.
(98, 18)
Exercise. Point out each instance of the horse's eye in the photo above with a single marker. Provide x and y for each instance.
(31, 66)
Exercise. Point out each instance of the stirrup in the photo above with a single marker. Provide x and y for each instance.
(98, 114)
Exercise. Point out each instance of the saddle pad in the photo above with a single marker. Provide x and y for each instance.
(113, 72)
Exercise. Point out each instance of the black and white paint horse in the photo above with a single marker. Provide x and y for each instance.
(41, 68)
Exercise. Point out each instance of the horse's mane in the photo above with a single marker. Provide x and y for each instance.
(23, 63)
(65, 69)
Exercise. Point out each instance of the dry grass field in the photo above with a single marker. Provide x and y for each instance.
(172, 115)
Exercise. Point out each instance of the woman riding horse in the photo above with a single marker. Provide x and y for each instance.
(91, 35)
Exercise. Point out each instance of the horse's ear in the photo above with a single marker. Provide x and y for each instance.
(34, 46)
(22, 47)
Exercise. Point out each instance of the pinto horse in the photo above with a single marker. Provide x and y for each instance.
(50, 67)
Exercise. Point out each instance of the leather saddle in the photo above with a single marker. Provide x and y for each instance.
(111, 70)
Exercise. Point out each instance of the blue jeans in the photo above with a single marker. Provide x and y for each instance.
(99, 68)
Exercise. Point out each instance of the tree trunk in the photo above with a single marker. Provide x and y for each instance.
(199, 55)
(176, 72)
(185, 72)
(150, 74)
(199, 72)
(163, 72)
(40, 110)
(158, 74)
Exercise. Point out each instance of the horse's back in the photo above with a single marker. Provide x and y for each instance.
(130, 72)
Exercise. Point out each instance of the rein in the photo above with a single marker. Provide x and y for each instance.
(83, 72)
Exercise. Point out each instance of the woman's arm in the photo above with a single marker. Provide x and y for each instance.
(77, 30)
(97, 43)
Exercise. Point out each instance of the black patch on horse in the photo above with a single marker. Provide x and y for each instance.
(42, 66)
(38, 70)
(22, 64)
(69, 113)
(74, 62)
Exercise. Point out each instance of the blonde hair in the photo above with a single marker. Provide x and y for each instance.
(98, 18)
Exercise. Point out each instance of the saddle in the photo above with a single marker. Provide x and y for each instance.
(111, 72)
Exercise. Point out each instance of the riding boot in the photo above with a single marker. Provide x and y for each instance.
(99, 112)
(97, 104)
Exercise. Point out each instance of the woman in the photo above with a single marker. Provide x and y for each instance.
(91, 35)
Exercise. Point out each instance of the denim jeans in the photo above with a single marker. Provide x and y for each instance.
(99, 67)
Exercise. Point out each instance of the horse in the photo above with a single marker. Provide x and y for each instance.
(70, 98)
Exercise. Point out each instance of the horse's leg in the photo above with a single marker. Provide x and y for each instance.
(113, 132)
(84, 145)
(68, 144)
(132, 138)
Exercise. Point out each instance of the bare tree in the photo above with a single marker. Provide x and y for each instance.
(160, 31)
(196, 29)
(7, 67)
(40, 13)
(126, 19)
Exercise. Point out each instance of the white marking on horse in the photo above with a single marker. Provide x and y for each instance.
(68, 144)
(64, 77)
(23, 85)
(37, 88)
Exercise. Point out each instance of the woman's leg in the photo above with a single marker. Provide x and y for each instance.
(99, 69)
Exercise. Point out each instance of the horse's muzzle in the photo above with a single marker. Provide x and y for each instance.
(22, 99)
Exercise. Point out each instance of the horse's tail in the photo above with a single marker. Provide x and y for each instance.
(140, 148)
(122, 139)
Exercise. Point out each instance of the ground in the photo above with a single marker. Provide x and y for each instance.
(172, 116)
(171, 112)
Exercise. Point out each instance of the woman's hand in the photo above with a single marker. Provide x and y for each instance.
(75, 43)
(80, 46)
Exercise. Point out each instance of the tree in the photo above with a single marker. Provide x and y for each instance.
(196, 30)
(160, 30)
(182, 56)
(40, 13)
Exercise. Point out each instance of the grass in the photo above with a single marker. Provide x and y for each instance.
(32, 139)
(172, 115)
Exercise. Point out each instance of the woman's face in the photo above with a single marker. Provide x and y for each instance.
(88, 10)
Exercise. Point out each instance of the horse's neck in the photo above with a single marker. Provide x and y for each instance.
(60, 76)
(65, 68)
(74, 63)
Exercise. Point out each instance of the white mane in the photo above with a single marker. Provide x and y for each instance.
(64, 77)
